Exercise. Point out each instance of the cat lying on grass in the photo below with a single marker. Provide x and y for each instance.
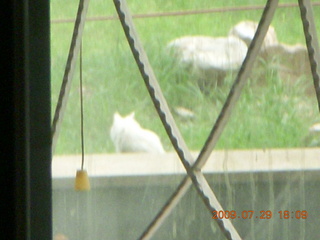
(128, 136)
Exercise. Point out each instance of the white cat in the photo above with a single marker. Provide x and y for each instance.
(128, 136)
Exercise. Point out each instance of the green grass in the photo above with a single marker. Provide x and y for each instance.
(269, 115)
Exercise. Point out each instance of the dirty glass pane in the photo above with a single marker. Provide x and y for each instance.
(264, 167)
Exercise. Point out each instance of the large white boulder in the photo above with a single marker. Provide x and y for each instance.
(290, 61)
(222, 53)
(209, 57)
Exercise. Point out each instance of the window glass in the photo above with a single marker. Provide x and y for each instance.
(263, 169)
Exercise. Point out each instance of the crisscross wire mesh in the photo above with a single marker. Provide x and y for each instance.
(194, 166)
(194, 170)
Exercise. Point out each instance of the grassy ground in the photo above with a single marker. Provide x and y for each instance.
(274, 114)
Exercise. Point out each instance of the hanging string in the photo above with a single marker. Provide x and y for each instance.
(82, 181)
(81, 110)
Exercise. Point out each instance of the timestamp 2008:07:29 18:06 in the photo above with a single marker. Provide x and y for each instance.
(249, 214)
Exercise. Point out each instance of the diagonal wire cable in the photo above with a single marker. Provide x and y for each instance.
(239, 83)
(200, 182)
(226, 111)
(165, 115)
(197, 177)
(312, 43)
(69, 70)
(167, 119)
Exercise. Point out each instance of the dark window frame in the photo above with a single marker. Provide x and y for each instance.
(25, 149)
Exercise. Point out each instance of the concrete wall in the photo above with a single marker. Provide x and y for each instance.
(117, 211)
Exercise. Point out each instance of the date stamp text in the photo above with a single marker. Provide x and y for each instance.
(249, 214)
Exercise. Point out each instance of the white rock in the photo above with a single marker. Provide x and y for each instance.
(128, 136)
(315, 128)
(246, 30)
(290, 61)
(184, 113)
(293, 58)
(209, 53)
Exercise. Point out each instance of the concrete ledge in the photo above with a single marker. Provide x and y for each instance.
(137, 168)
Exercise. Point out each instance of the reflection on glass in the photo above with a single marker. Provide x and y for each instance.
(268, 189)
